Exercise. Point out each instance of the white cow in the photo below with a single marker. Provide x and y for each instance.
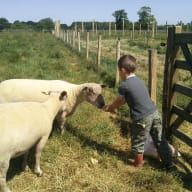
(15, 90)
(24, 125)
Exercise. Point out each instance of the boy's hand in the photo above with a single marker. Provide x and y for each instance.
(106, 108)
(118, 102)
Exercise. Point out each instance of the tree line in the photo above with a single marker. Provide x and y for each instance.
(146, 19)
(43, 24)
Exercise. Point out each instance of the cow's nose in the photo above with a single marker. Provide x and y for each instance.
(101, 102)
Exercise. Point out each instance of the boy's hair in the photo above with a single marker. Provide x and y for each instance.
(128, 62)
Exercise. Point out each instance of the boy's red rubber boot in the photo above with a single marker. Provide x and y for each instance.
(138, 160)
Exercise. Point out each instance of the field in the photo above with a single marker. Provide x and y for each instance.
(94, 152)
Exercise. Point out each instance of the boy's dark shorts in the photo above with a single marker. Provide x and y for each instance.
(140, 130)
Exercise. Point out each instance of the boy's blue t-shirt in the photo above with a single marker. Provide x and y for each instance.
(137, 97)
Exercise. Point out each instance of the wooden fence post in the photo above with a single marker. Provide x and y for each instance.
(153, 30)
(123, 26)
(118, 52)
(57, 28)
(152, 74)
(139, 29)
(93, 27)
(99, 53)
(73, 39)
(131, 35)
(96, 30)
(82, 27)
(148, 27)
(70, 37)
(133, 31)
(60, 34)
(79, 41)
(109, 28)
(166, 28)
(76, 29)
(64, 36)
(67, 38)
(145, 36)
(87, 46)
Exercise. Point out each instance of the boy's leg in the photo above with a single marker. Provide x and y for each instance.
(140, 130)
(138, 160)
(160, 140)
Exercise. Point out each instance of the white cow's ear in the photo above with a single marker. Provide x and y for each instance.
(88, 89)
(63, 95)
(103, 86)
(46, 92)
(84, 88)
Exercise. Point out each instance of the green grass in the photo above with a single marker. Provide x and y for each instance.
(91, 134)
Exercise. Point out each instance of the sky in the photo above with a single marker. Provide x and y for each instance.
(68, 11)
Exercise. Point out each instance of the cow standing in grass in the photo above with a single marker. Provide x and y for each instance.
(15, 90)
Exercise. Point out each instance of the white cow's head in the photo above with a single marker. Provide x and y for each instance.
(93, 94)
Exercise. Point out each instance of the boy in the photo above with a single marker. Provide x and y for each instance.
(145, 117)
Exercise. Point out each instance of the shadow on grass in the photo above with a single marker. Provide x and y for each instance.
(186, 178)
(125, 126)
(100, 147)
(187, 157)
(15, 165)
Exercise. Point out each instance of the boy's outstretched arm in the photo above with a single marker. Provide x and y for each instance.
(117, 102)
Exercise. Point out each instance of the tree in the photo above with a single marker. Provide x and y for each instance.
(19, 25)
(4, 23)
(64, 26)
(31, 24)
(120, 15)
(145, 17)
(189, 26)
(45, 24)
